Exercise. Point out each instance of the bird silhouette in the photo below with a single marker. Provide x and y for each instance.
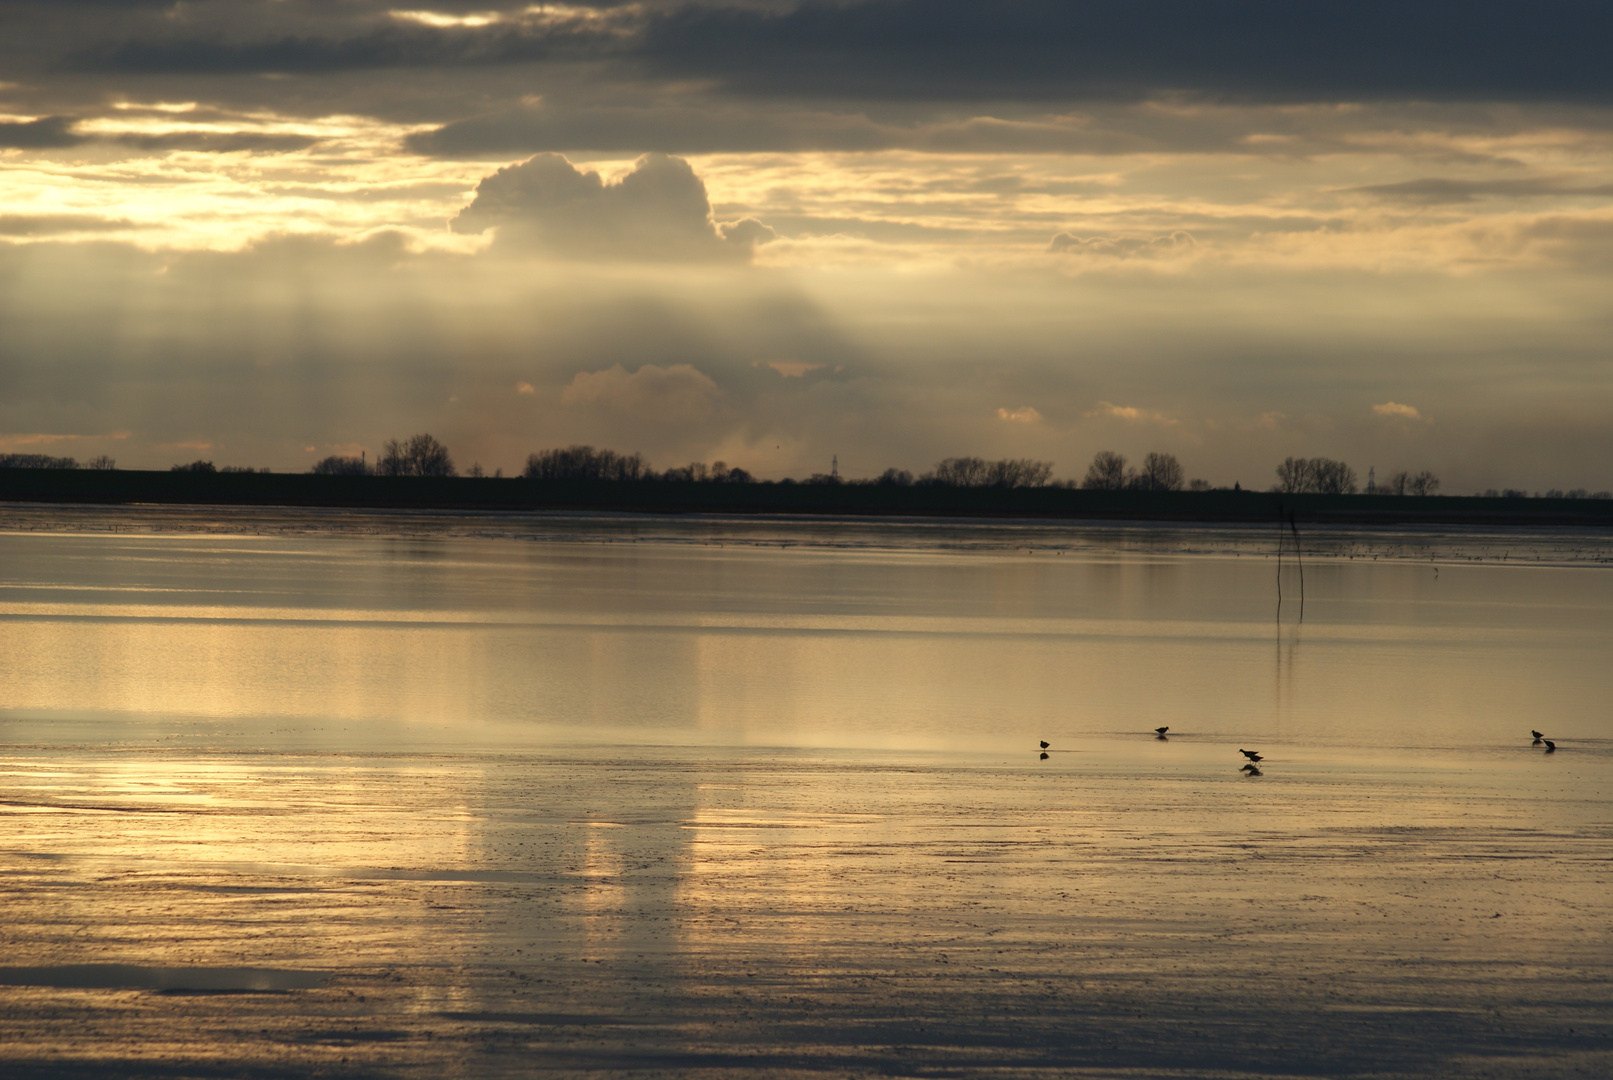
(1045, 744)
(1252, 769)
(1160, 731)
(1538, 736)
(1250, 754)
(1551, 747)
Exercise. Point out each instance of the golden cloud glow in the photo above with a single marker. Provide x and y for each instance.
(1131, 414)
(41, 439)
(233, 178)
(440, 20)
(1023, 415)
(181, 177)
(791, 369)
(534, 13)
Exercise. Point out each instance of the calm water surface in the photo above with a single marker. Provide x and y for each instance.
(432, 795)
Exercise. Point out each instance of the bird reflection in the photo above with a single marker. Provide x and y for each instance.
(1044, 755)
(1252, 769)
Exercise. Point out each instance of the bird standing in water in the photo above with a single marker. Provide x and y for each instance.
(1551, 747)
(1045, 744)
(1160, 731)
(1538, 736)
(1250, 754)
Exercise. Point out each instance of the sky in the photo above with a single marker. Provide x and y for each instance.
(780, 233)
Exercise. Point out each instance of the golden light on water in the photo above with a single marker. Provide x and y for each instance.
(445, 793)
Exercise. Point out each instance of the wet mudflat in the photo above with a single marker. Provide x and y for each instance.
(344, 806)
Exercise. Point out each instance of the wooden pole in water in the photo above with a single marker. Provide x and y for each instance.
(1299, 559)
(1279, 562)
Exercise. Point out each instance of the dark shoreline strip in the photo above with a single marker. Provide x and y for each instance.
(125, 487)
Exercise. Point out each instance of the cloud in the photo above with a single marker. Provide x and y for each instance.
(1121, 247)
(59, 224)
(462, 80)
(903, 50)
(62, 132)
(718, 125)
(48, 132)
(1023, 415)
(1576, 240)
(1272, 49)
(314, 44)
(791, 369)
(1130, 414)
(1435, 190)
(746, 233)
(48, 439)
(676, 394)
(210, 142)
(657, 211)
(1397, 410)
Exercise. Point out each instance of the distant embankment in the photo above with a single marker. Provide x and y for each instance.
(669, 497)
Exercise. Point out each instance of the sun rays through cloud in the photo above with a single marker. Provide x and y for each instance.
(763, 190)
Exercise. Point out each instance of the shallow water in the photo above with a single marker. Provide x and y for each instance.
(427, 794)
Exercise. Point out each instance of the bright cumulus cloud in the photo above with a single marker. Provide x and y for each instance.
(1395, 409)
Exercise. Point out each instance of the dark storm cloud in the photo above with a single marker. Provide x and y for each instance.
(385, 46)
(690, 76)
(1053, 49)
(950, 50)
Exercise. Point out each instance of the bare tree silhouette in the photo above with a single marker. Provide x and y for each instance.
(1321, 475)
(1160, 472)
(584, 463)
(1106, 473)
(336, 465)
(1424, 483)
(419, 455)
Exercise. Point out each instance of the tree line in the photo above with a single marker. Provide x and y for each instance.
(45, 461)
(1159, 472)
(424, 455)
